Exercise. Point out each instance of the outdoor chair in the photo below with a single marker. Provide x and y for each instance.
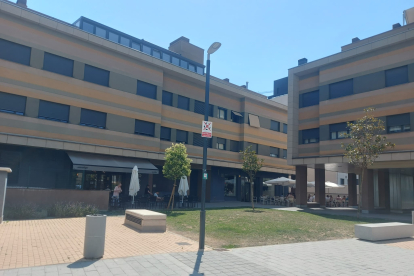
(272, 200)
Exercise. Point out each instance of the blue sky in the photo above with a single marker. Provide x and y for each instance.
(260, 39)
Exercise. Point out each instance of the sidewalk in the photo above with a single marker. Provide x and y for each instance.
(337, 257)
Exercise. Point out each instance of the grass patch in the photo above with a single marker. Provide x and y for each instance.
(238, 227)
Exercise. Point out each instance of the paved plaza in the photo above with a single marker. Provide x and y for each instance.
(56, 241)
(337, 257)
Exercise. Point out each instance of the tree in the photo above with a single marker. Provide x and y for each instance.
(251, 165)
(176, 165)
(366, 145)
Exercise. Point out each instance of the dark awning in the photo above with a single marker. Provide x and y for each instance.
(108, 163)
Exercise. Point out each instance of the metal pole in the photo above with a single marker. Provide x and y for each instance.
(203, 186)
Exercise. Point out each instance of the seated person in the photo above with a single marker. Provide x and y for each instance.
(157, 197)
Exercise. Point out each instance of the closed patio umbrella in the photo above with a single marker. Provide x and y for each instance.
(183, 187)
(283, 181)
(134, 184)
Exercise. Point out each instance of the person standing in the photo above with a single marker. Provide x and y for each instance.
(147, 191)
(117, 191)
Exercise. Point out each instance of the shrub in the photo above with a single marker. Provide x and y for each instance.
(22, 211)
(71, 209)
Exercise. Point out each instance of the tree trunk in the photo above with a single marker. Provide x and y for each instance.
(172, 196)
(251, 192)
(360, 194)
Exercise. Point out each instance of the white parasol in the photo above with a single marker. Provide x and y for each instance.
(134, 184)
(183, 187)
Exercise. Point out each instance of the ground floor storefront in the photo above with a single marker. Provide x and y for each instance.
(63, 172)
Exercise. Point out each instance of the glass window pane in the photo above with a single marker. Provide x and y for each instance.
(175, 61)
(200, 70)
(146, 49)
(394, 129)
(113, 37)
(88, 27)
(125, 41)
(342, 134)
(100, 32)
(136, 46)
(184, 64)
(333, 135)
(191, 68)
(407, 128)
(156, 54)
(166, 57)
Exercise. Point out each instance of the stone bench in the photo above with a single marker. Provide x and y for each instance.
(384, 231)
(146, 220)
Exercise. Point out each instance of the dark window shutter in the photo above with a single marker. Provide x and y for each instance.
(93, 118)
(398, 120)
(15, 52)
(285, 128)
(396, 76)
(144, 128)
(11, 103)
(274, 152)
(183, 103)
(341, 89)
(167, 98)
(54, 111)
(165, 134)
(58, 65)
(197, 140)
(312, 133)
(182, 136)
(96, 75)
(274, 125)
(199, 107)
(234, 146)
(146, 90)
(338, 127)
(310, 99)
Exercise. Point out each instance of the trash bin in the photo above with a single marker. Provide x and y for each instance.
(94, 236)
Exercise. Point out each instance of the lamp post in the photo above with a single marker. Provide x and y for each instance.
(214, 47)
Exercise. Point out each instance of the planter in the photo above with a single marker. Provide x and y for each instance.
(95, 229)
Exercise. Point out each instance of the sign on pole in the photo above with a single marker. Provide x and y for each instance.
(207, 129)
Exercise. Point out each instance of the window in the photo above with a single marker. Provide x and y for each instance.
(184, 64)
(338, 131)
(58, 65)
(200, 70)
(396, 76)
(254, 121)
(144, 128)
(182, 136)
(175, 61)
(398, 123)
(342, 181)
(192, 68)
(167, 98)
(96, 75)
(230, 185)
(183, 103)
(53, 111)
(100, 32)
(14, 104)
(221, 144)
(125, 41)
(166, 57)
(341, 89)
(284, 154)
(199, 108)
(222, 113)
(147, 90)
(136, 46)
(165, 134)
(87, 27)
(156, 54)
(309, 99)
(92, 118)
(113, 37)
(146, 49)
(285, 128)
(234, 146)
(236, 117)
(274, 152)
(253, 147)
(11, 159)
(15, 52)
(310, 136)
(274, 125)
(198, 140)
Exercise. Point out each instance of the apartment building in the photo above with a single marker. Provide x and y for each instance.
(327, 93)
(82, 103)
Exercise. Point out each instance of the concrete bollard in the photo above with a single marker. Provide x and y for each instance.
(3, 188)
(95, 229)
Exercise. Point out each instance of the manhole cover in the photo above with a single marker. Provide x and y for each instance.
(183, 243)
(221, 249)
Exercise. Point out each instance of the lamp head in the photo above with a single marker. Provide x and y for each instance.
(214, 47)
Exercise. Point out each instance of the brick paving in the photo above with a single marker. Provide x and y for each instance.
(337, 257)
(58, 241)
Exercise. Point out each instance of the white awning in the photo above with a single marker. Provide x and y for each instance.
(236, 113)
(108, 163)
(254, 121)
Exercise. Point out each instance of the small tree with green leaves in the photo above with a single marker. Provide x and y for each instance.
(176, 165)
(367, 143)
(251, 165)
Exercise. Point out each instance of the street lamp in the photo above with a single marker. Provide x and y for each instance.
(214, 47)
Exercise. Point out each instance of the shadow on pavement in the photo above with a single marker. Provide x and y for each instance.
(82, 263)
(197, 264)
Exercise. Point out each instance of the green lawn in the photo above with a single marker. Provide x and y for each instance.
(240, 227)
